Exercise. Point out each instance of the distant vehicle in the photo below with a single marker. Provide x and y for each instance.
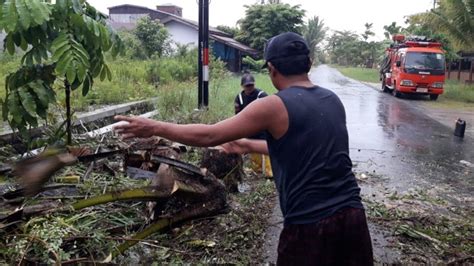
(414, 65)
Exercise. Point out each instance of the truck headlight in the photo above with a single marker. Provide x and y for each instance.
(407, 82)
(437, 85)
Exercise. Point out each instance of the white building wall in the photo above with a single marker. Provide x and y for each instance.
(182, 34)
(126, 18)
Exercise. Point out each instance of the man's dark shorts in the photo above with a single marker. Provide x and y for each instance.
(341, 239)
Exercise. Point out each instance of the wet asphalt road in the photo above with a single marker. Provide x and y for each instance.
(393, 139)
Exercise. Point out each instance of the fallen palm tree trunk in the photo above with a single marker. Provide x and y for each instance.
(193, 212)
(143, 194)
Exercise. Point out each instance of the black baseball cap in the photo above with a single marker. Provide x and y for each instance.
(247, 79)
(284, 46)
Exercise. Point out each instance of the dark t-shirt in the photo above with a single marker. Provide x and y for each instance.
(242, 100)
(311, 163)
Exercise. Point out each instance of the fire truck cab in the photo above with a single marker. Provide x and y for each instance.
(413, 66)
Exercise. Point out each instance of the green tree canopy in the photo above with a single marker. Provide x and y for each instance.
(392, 29)
(65, 42)
(232, 31)
(455, 18)
(350, 49)
(422, 25)
(368, 31)
(344, 48)
(261, 22)
(314, 32)
(153, 36)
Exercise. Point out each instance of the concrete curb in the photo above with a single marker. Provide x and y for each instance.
(89, 117)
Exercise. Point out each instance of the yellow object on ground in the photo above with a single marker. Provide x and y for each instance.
(260, 164)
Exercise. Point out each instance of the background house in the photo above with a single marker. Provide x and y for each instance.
(182, 31)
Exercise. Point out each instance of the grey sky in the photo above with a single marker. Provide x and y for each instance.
(337, 14)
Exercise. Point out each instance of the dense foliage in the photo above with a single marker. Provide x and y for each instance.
(63, 43)
(263, 21)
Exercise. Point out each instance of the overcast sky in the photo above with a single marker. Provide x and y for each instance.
(337, 14)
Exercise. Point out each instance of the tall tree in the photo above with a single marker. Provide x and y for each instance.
(232, 31)
(349, 48)
(153, 36)
(314, 32)
(421, 24)
(456, 19)
(369, 50)
(344, 48)
(392, 29)
(368, 31)
(261, 22)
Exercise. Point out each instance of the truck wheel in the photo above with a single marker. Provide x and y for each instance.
(433, 97)
(384, 87)
(395, 92)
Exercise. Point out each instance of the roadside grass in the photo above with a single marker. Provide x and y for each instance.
(177, 102)
(358, 73)
(459, 91)
(172, 80)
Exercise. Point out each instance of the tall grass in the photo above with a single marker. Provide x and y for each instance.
(362, 74)
(178, 101)
(129, 83)
(459, 91)
(172, 81)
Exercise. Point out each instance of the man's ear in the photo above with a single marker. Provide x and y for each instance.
(272, 70)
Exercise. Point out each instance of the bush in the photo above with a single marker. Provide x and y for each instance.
(182, 67)
(133, 46)
(153, 36)
(253, 65)
(217, 68)
(165, 70)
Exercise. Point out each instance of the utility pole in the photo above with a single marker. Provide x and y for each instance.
(203, 56)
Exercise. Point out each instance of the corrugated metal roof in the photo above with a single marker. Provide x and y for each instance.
(233, 43)
(192, 23)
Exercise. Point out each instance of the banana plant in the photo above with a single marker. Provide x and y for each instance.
(64, 43)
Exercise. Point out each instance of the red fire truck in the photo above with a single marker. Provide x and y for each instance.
(414, 65)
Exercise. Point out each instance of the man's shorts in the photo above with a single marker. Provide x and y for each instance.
(340, 239)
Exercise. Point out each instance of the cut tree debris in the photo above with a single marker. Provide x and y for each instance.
(176, 192)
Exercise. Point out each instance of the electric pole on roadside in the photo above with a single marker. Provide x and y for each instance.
(203, 55)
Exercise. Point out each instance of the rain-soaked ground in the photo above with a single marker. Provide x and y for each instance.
(399, 147)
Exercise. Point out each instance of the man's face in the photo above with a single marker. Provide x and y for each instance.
(249, 87)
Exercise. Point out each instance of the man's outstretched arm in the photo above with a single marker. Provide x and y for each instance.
(257, 117)
(242, 146)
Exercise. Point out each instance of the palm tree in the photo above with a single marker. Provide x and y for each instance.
(390, 30)
(314, 32)
(456, 19)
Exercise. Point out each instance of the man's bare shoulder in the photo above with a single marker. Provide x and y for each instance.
(271, 103)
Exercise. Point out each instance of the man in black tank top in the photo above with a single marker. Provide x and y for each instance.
(307, 140)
